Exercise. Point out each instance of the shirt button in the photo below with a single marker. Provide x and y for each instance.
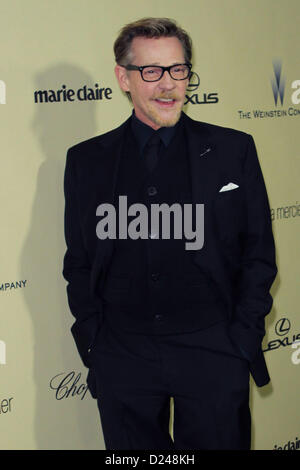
(152, 190)
(155, 276)
(158, 317)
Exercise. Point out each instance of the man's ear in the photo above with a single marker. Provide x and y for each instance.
(122, 77)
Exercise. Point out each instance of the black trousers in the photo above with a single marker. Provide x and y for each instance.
(137, 374)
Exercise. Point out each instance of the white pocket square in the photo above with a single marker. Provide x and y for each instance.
(228, 187)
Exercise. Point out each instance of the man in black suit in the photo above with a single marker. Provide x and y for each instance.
(154, 319)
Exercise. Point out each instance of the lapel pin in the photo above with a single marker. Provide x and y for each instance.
(205, 152)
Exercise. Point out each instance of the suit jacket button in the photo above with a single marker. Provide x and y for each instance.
(152, 191)
(158, 317)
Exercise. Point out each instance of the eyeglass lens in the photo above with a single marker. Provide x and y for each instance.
(178, 72)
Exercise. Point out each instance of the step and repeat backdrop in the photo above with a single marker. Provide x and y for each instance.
(57, 88)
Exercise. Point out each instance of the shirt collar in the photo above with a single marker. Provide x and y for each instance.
(143, 132)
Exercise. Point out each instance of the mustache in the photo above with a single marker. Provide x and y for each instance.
(173, 96)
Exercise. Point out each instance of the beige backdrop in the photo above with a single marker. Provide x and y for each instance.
(66, 45)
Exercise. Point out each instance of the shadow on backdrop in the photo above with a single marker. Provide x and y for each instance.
(59, 424)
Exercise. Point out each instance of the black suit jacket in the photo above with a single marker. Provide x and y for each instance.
(238, 252)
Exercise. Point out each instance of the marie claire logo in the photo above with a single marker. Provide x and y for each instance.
(290, 445)
(195, 98)
(283, 90)
(65, 94)
(2, 352)
(2, 92)
(67, 384)
(282, 329)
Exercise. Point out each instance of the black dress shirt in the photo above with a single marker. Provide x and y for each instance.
(142, 133)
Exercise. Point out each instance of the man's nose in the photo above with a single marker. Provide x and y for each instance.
(166, 81)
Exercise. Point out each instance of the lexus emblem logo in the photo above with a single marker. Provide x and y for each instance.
(282, 327)
(194, 82)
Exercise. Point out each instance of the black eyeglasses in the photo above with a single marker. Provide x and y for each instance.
(153, 73)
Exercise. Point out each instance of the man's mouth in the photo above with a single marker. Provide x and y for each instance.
(166, 102)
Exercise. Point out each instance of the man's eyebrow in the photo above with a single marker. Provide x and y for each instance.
(159, 65)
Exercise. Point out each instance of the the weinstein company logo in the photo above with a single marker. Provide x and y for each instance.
(278, 82)
(2, 92)
(283, 90)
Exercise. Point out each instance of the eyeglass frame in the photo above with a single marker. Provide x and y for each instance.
(163, 69)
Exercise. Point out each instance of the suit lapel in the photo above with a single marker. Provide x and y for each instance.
(202, 161)
(111, 151)
(205, 180)
(203, 166)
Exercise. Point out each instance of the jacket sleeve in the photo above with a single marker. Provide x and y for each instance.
(77, 268)
(258, 265)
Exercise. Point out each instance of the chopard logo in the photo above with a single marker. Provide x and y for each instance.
(66, 385)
